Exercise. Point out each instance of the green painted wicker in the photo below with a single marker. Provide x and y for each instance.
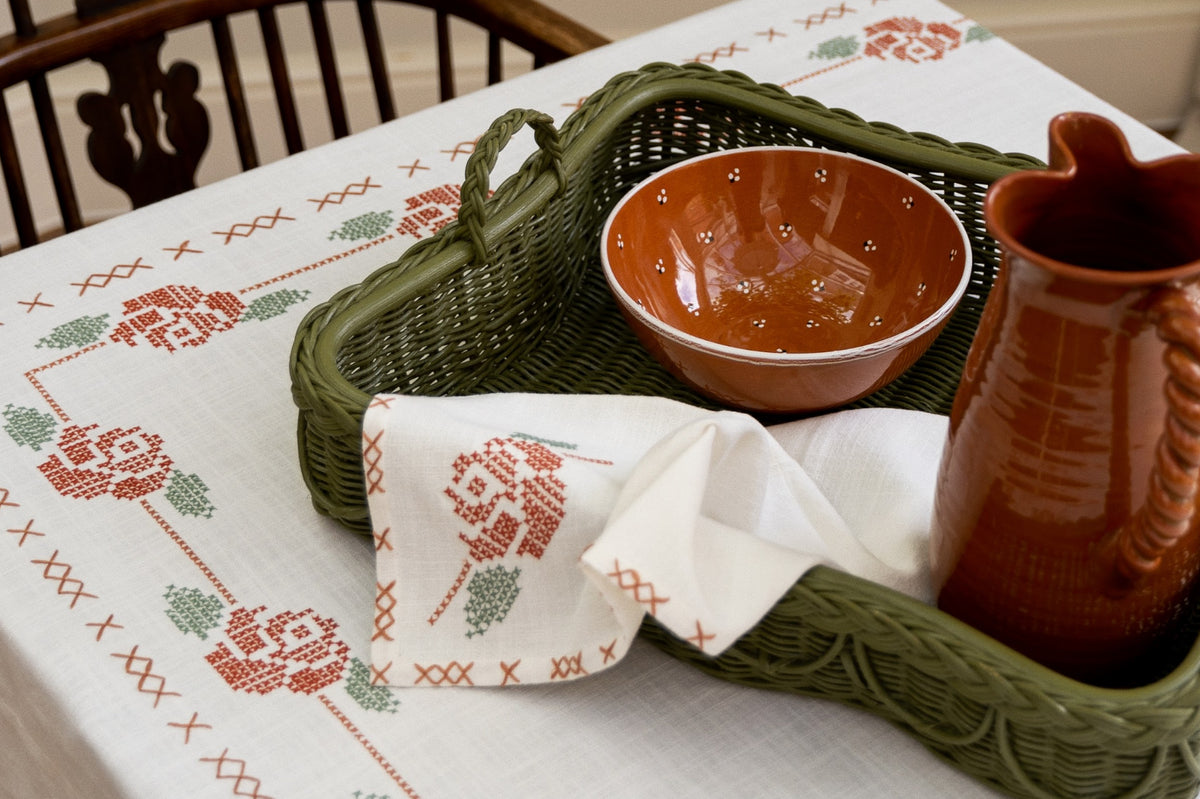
(511, 298)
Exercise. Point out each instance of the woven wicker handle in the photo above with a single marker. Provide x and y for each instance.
(476, 188)
(1169, 509)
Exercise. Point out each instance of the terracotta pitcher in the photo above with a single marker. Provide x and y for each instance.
(1065, 520)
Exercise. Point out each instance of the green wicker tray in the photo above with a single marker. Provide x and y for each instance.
(511, 298)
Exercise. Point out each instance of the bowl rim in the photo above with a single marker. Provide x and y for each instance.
(767, 357)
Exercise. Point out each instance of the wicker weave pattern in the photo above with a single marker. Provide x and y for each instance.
(511, 298)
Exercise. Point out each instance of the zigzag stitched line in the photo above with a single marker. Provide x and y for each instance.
(373, 453)
(829, 13)
(384, 618)
(245, 229)
(145, 675)
(352, 190)
(720, 52)
(121, 271)
(238, 778)
(64, 579)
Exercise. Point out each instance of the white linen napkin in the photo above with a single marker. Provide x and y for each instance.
(521, 538)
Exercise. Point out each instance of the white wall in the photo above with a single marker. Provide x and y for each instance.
(1137, 54)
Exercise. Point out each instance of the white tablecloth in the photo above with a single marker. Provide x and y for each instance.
(175, 620)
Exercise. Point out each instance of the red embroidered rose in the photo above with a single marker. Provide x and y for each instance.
(177, 316)
(125, 462)
(508, 491)
(298, 650)
(909, 39)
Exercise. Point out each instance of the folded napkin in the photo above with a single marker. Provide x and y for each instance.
(521, 538)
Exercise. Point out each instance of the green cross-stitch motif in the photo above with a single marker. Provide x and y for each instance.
(370, 225)
(193, 611)
(839, 47)
(273, 304)
(29, 427)
(188, 494)
(369, 697)
(978, 33)
(76, 333)
(361, 795)
(493, 592)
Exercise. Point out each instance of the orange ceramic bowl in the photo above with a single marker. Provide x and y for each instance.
(785, 279)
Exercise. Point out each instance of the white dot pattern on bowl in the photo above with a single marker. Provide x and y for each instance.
(785, 229)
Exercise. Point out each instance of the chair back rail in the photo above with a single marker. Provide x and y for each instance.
(126, 37)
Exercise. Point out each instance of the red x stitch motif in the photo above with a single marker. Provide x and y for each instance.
(381, 539)
(700, 637)
(104, 626)
(413, 167)
(181, 249)
(510, 672)
(25, 532)
(188, 726)
(379, 676)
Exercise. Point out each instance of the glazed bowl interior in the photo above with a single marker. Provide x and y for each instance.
(785, 254)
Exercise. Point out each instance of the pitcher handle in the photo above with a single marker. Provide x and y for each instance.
(1169, 509)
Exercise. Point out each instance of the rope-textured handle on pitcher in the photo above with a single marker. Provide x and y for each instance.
(1170, 506)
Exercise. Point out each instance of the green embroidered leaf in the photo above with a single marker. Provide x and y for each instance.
(978, 33)
(193, 611)
(76, 333)
(188, 494)
(840, 47)
(369, 697)
(493, 592)
(273, 304)
(29, 427)
(370, 225)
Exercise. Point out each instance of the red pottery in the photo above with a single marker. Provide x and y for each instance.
(1065, 516)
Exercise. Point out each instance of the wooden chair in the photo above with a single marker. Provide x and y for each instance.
(146, 102)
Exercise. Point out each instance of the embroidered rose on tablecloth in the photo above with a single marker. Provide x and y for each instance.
(177, 316)
(910, 39)
(125, 462)
(299, 651)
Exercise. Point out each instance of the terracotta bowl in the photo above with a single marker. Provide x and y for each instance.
(785, 279)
